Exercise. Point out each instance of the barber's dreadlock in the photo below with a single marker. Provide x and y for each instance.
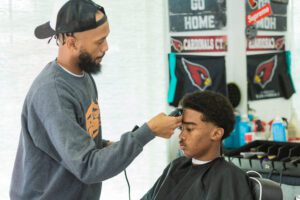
(63, 36)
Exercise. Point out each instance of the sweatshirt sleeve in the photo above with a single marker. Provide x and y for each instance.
(69, 144)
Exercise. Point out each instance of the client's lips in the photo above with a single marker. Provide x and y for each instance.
(181, 145)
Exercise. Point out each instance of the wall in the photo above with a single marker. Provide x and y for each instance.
(268, 109)
(236, 61)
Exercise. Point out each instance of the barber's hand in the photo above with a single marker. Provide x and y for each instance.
(163, 125)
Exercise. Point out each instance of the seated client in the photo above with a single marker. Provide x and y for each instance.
(202, 173)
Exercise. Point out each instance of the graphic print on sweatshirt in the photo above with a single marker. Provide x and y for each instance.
(93, 121)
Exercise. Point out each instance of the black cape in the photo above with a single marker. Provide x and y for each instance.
(216, 180)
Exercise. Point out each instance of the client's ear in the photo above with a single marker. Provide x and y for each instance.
(217, 133)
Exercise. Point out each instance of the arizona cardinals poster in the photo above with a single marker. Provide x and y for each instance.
(196, 15)
(277, 21)
(268, 77)
(190, 44)
(189, 73)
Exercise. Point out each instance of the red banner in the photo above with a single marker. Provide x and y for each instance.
(266, 43)
(259, 14)
(191, 44)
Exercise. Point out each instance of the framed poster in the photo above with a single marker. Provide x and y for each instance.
(189, 73)
(277, 21)
(268, 77)
(196, 15)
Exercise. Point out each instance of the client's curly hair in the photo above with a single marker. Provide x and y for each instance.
(214, 107)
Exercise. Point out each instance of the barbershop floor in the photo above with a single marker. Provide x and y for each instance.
(130, 89)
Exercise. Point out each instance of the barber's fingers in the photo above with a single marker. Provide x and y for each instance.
(163, 126)
(177, 122)
(179, 119)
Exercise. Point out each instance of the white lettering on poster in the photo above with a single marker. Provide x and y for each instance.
(195, 44)
(267, 94)
(267, 23)
(219, 44)
(252, 18)
(198, 4)
(262, 3)
(199, 22)
(262, 43)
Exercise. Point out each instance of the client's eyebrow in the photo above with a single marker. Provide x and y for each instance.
(189, 123)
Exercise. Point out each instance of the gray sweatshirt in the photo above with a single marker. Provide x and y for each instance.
(60, 153)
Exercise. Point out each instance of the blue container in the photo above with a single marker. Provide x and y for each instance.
(232, 141)
(278, 131)
(237, 136)
(244, 127)
(229, 141)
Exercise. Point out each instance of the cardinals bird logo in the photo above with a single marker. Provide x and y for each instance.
(279, 43)
(198, 74)
(177, 44)
(265, 71)
(253, 3)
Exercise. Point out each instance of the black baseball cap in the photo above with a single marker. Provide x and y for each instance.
(71, 16)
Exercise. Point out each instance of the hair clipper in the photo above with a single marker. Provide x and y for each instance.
(176, 113)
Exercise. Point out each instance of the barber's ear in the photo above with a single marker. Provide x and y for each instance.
(71, 43)
(217, 133)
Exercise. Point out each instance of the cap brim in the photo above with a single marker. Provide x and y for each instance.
(44, 31)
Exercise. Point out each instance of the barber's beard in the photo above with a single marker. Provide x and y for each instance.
(88, 64)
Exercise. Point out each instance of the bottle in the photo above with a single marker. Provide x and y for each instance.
(293, 131)
(278, 130)
(244, 127)
(259, 127)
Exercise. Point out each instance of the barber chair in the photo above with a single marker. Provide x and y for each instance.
(264, 189)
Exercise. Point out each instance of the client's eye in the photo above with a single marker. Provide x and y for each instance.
(185, 128)
(189, 129)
